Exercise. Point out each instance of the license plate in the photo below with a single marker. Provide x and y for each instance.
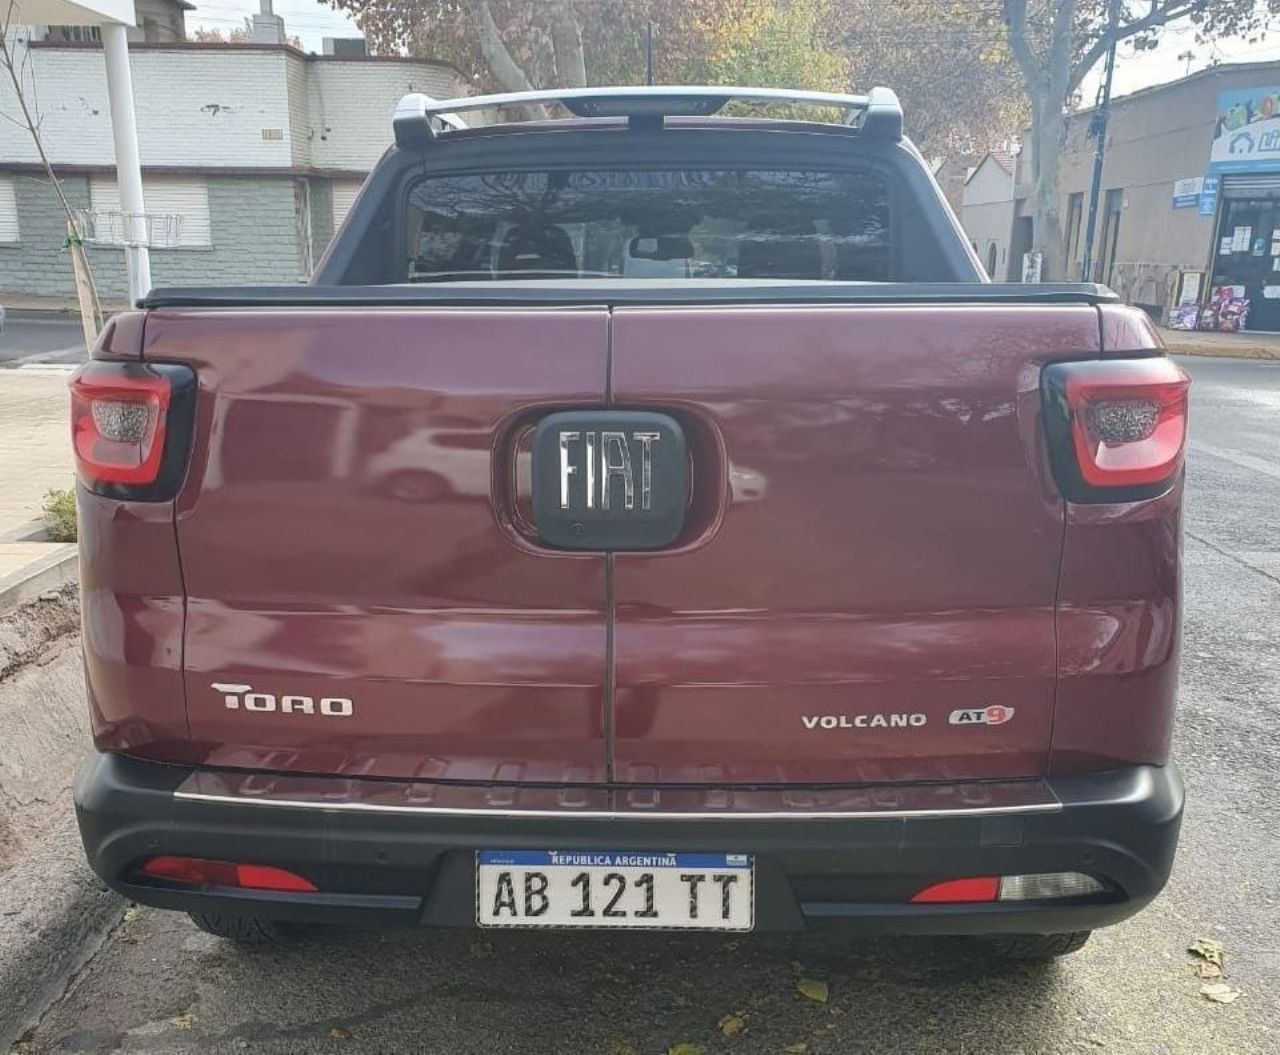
(615, 888)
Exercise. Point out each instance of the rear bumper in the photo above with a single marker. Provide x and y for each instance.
(859, 871)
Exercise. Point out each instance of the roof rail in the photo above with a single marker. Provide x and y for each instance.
(413, 116)
(878, 114)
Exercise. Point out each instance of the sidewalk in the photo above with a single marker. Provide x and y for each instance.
(20, 304)
(35, 455)
(1245, 345)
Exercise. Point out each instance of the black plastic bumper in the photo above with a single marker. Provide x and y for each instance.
(1120, 826)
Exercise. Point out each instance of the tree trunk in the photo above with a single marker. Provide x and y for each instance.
(1047, 79)
(566, 43)
(1049, 133)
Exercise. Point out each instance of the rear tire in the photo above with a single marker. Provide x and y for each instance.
(1030, 947)
(243, 930)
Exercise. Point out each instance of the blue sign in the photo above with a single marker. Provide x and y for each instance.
(1209, 195)
(1246, 134)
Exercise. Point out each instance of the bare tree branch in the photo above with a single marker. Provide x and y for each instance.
(1159, 15)
(31, 122)
(1015, 13)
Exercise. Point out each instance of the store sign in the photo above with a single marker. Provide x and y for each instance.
(1246, 134)
(1186, 192)
(1209, 195)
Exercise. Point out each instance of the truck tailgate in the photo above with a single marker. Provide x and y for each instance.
(864, 588)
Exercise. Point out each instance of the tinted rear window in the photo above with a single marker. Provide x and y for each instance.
(651, 223)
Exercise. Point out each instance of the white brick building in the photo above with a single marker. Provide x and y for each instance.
(259, 148)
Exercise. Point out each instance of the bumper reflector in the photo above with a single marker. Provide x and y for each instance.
(953, 891)
(1042, 887)
(197, 871)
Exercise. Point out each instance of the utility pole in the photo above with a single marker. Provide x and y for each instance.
(1098, 129)
(648, 53)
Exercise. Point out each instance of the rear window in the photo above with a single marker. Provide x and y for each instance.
(651, 223)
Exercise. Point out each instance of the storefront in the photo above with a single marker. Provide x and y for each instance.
(1244, 183)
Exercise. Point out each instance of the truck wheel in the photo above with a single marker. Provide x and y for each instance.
(1037, 946)
(243, 930)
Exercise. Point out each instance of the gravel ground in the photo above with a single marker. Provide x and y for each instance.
(160, 985)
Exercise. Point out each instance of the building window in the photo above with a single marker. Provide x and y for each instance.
(8, 212)
(344, 195)
(163, 196)
(75, 34)
(1075, 212)
(1110, 234)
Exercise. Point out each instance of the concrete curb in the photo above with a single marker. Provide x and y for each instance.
(60, 565)
(1229, 345)
(54, 915)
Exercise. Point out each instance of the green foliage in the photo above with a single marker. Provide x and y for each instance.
(774, 45)
(59, 514)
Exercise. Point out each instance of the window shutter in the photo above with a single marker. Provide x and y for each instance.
(8, 211)
(188, 198)
(1259, 185)
(344, 195)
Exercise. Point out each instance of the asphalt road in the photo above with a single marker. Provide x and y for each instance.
(160, 985)
(41, 340)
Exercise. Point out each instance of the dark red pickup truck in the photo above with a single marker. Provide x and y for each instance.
(647, 519)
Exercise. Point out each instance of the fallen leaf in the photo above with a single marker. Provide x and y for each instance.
(1220, 992)
(622, 1047)
(1210, 950)
(1208, 970)
(132, 913)
(338, 1033)
(796, 1049)
(732, 1025)
(686, 1049)
(814, 990)
(481, 949)
(182, 1021)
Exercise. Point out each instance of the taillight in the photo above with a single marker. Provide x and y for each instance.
(1042, 886)
(1117, 429)
(201, 872)
(130, 426)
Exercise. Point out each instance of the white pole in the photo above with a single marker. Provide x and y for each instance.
(124, 130)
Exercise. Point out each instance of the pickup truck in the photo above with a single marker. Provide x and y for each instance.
(646, 519)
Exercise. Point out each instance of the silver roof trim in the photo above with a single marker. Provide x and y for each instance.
(878, 113)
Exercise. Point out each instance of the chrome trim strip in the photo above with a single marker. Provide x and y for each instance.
(621, 815)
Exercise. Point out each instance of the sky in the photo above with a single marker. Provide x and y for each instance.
(1168, 61)
(311, 21)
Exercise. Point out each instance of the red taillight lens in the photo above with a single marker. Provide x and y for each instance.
(197, 871)
(958, 891)
(118, 422)
(1120, 426)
